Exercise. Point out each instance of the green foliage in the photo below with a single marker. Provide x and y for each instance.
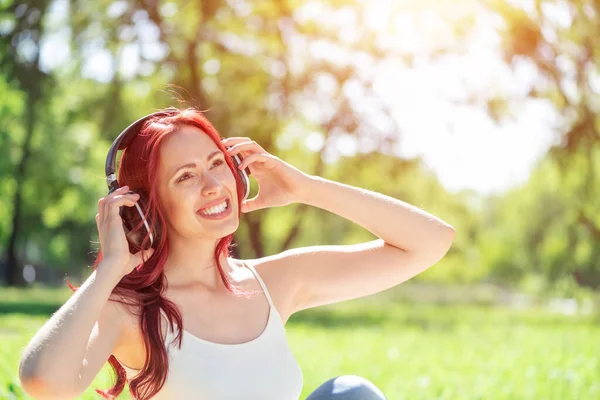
(243, 66)
(11, 134)
(410, 349)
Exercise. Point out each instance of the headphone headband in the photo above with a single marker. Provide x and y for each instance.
(122, 141)
(127, 136)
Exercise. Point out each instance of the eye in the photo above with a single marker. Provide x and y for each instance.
(182, 176)
(218, 162)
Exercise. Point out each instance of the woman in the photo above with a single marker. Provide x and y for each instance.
(181, 319)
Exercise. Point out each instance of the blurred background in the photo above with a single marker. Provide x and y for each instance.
(483, 113)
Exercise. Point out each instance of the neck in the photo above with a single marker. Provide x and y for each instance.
(193, 262)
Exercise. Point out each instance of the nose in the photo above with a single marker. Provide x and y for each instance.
(212, 185)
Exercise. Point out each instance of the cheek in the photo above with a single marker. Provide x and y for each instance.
(171, 210)
(174, 203)
(227, 178)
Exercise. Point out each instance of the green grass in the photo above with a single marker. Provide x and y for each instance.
(411, 351)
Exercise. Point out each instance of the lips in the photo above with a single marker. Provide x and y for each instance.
(213, 203)
(219, 216)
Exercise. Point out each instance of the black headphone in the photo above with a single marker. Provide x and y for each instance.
(133, 219)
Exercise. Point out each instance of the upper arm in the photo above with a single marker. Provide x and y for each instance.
(319, 275)
(104, 338)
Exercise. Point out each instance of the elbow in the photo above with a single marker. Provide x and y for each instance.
(34, 387)
(447, 238)
(432, 250)
(40, 389)
(29, 383)
(440, 245)
(450, 233)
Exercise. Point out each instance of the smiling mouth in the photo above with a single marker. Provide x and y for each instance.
(216, 210)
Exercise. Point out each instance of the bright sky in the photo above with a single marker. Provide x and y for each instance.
(458, 141)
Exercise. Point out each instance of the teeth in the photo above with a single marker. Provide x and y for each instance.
(215, 209)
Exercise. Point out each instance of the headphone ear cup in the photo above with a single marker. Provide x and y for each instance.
(133, 224)
(245, 183)
(244, 175)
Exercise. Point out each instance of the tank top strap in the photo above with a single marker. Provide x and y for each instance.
(262, 284)
(165, 319)
(163, 314)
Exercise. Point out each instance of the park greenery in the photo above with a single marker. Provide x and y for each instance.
(291, 76)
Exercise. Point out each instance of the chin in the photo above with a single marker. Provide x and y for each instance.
(226, 229)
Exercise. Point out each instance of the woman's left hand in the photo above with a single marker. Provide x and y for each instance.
(279, 183)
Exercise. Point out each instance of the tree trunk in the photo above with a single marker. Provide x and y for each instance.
(14, 269)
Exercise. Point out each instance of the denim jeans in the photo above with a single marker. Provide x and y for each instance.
(347, 387)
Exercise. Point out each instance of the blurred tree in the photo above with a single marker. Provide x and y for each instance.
(19, 60)
(298, 85)
(235, 60)
(561, 234)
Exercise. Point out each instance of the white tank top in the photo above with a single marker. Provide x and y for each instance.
(262, 369)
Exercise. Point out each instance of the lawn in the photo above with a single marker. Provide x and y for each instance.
(411, 351)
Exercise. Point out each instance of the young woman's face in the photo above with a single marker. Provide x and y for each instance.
(192, 173)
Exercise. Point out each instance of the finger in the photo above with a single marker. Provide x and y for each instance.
(121, 190)
(116, 202)
(108, 201)
(252, 158)
(230, 141)
(251, 147)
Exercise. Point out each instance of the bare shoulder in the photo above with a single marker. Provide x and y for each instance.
(278, 281)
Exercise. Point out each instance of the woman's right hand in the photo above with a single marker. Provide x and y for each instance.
(113, 242)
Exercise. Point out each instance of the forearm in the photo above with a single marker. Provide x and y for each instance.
(55, 354)
(395, 222)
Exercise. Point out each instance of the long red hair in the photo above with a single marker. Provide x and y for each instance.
(144, 286)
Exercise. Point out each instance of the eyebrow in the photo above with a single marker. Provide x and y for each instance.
(193, 165)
